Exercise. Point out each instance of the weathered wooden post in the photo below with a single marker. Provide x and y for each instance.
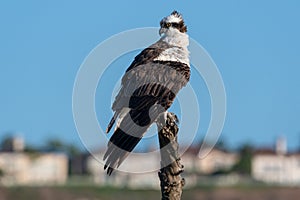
(171, 182)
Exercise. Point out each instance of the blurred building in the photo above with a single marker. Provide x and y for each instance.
(150, 164)
(277, 166)
(216, 160)
(33, 169)
(142, 171)
(78, 164)
(13, 144)
(21, 168)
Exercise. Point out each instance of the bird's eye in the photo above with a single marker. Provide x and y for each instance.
(168, 25)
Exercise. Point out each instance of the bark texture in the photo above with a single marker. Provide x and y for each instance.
(171, 182)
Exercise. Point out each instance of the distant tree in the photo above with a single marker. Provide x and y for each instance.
(54, 145)
(243, 166)
(6, 143)
(58, 145)
(31, 149)
(72, 150)
(1, 173)
(222, 145)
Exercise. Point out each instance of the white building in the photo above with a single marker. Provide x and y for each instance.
(141, 170)
(137, 171)
(217, 160)
(214, 161)
(276, 168)
(20, 168)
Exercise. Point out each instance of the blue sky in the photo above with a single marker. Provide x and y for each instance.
(255, 45)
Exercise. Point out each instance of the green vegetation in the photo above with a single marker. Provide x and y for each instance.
(1, 173)
(58, 145)
(243, 166)
(6, 143)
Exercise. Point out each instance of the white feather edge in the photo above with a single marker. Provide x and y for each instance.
(121, 116)
(173, 19)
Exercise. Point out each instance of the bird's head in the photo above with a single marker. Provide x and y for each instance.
(173, 22)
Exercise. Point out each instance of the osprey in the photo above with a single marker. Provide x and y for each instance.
(148, 89)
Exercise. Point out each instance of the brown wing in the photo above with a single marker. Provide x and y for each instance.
(148, 88)
(145, 57)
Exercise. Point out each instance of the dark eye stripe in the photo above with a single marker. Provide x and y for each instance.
(175, 25)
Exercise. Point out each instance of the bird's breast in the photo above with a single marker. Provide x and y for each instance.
(176, 54)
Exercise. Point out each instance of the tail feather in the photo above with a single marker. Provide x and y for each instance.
(113, 163)
(121, 144)
(125, 138)
(112, 121)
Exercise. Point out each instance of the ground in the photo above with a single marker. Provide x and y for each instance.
(97, 193)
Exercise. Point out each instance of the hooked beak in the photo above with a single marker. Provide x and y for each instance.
(162, 31)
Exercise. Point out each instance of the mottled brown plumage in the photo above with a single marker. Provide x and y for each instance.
(148, 89)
